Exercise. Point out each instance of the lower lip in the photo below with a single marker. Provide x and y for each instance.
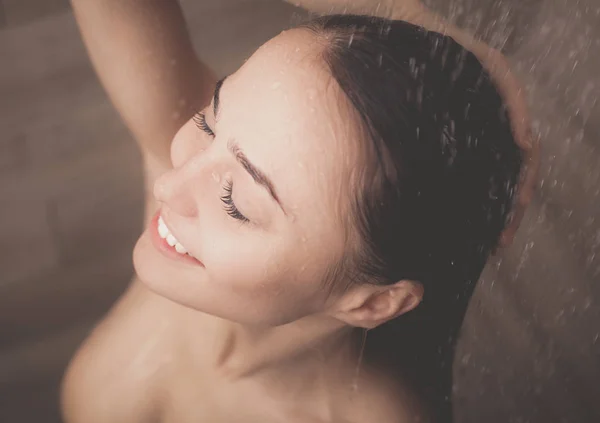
(162, 245)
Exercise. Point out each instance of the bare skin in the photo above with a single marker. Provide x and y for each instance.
(161, 356)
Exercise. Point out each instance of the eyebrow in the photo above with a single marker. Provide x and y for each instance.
(258, 175)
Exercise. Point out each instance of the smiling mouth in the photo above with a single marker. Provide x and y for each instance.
(168, 244)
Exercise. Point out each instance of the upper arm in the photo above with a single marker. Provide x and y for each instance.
(145, 61)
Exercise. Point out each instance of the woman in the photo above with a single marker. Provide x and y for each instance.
(354, 174)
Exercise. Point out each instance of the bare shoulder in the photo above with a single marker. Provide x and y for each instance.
(116, 373)
(383, 399)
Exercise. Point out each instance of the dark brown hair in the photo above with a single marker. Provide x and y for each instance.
(440, 182)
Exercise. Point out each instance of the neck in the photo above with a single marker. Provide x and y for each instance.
(301, 347)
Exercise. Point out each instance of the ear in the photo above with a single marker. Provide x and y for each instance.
(368, 306)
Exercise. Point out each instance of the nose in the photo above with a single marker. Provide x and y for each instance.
(179, 188)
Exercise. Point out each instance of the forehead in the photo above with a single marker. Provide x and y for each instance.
(290, 117)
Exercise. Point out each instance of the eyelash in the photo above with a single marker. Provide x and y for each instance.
(200, 121)
(230, 207)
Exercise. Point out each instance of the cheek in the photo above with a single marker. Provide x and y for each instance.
(270, 273)
(249, 266)
(241, 261)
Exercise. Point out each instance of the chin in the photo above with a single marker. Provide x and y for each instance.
(160, 275)
(153, 271)
(144, 264)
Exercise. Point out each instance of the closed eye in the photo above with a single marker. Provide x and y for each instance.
(230, 206)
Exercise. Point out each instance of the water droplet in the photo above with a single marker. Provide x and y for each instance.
(419, 98)
(413, 67)
(465, 359)
(275, 85)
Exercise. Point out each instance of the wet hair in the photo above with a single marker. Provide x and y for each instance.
(437, 185)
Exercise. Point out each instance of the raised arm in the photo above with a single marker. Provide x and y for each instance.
(144, 58)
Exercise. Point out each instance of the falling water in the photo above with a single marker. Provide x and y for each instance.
(533, 321)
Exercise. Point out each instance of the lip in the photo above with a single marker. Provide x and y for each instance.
(163, 247)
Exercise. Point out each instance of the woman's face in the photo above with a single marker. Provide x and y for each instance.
(283, 113)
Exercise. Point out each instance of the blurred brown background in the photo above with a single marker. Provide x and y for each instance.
(71, 205)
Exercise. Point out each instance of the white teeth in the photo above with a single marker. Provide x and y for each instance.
(164, 233)
(171, 240)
